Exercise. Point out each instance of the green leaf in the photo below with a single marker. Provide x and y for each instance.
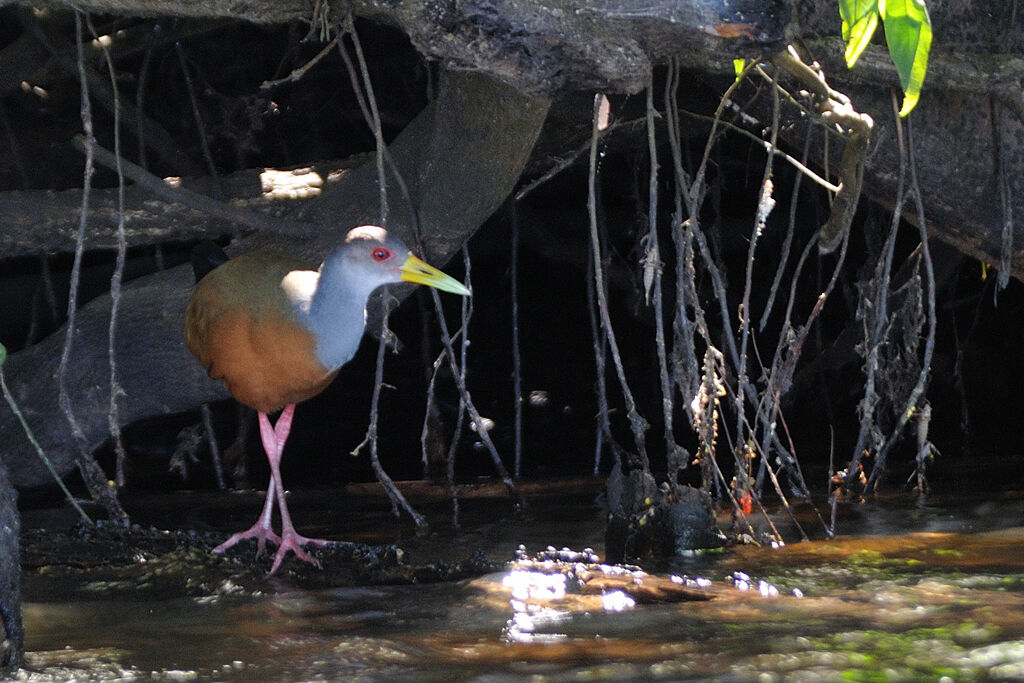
(860, 19)
(738, 65)
(908, 32)
(3, 354)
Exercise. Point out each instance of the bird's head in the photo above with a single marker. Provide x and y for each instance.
(380, 257)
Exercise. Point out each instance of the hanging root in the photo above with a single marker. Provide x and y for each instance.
(704, 410)
(836, 110)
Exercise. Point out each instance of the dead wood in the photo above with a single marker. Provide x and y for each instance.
(37, 221)
(535, 46)
(971, 100)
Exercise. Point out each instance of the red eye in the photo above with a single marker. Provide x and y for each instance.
(381, 254)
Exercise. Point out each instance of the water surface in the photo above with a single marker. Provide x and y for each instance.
(916, 590)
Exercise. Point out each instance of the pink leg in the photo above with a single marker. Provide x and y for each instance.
(290, 539)
(274, 439)
(262, 530)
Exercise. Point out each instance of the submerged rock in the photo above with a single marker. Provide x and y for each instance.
(646, 521)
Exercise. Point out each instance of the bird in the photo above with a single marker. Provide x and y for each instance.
(276, 331)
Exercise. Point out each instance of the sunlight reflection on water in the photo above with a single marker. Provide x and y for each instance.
(910, 605)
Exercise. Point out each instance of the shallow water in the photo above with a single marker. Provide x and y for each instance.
(931, 590)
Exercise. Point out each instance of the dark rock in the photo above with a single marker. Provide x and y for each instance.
(10, 577)
(646, 522)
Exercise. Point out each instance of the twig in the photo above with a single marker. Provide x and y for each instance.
(653, 272)
(429, 412)
(211, 439)
(297, 74)
(92, 474)
(467, 312)
(204, 144)
(603, 431)
(765, 204)
(801, 166)
(517, 369)
(1005, 201)
(695, 190)
(474, 414)
(684, 351)
(636, 421)
(445, 336)
(9, 397)
(373, 121)
(368, 116)
(875, 314)
(378, 133)
(787, 243)
(570, 160)
(392, 491)
(835, 108)
(116, 391)
(922, 381)
(159, 140)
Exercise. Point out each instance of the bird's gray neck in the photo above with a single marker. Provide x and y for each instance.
(336, 314)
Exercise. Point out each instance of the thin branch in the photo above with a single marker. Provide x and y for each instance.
(1005, 201)
(375, 124)
(800, 166)
(211, 167)
(636, 421)
(835, 108)
(765, 204)
(429, 411)
(9, 397)
(116, 392)
(297, 74)
(467, 311)
(392, 491)
(875, 316)
(787, 243)
(368, 116)
(92, 474)
(603, 431)
(517, 366)
(211, 439)
(653, 272)
(373, 121)
(474, 414)
(445, 336)
(911, 405)
(570, 160)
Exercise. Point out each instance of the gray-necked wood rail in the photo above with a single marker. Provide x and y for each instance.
(276, 331)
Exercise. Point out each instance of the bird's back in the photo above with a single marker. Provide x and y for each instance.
(241, 326)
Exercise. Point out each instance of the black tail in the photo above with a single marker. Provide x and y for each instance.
(206, 256)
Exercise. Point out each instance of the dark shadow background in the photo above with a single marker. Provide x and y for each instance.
(976, 375)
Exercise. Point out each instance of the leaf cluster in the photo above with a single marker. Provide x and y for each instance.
(908, 33)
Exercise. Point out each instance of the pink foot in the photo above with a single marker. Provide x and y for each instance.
(261, 530)
(257, 531)
(292, 542)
